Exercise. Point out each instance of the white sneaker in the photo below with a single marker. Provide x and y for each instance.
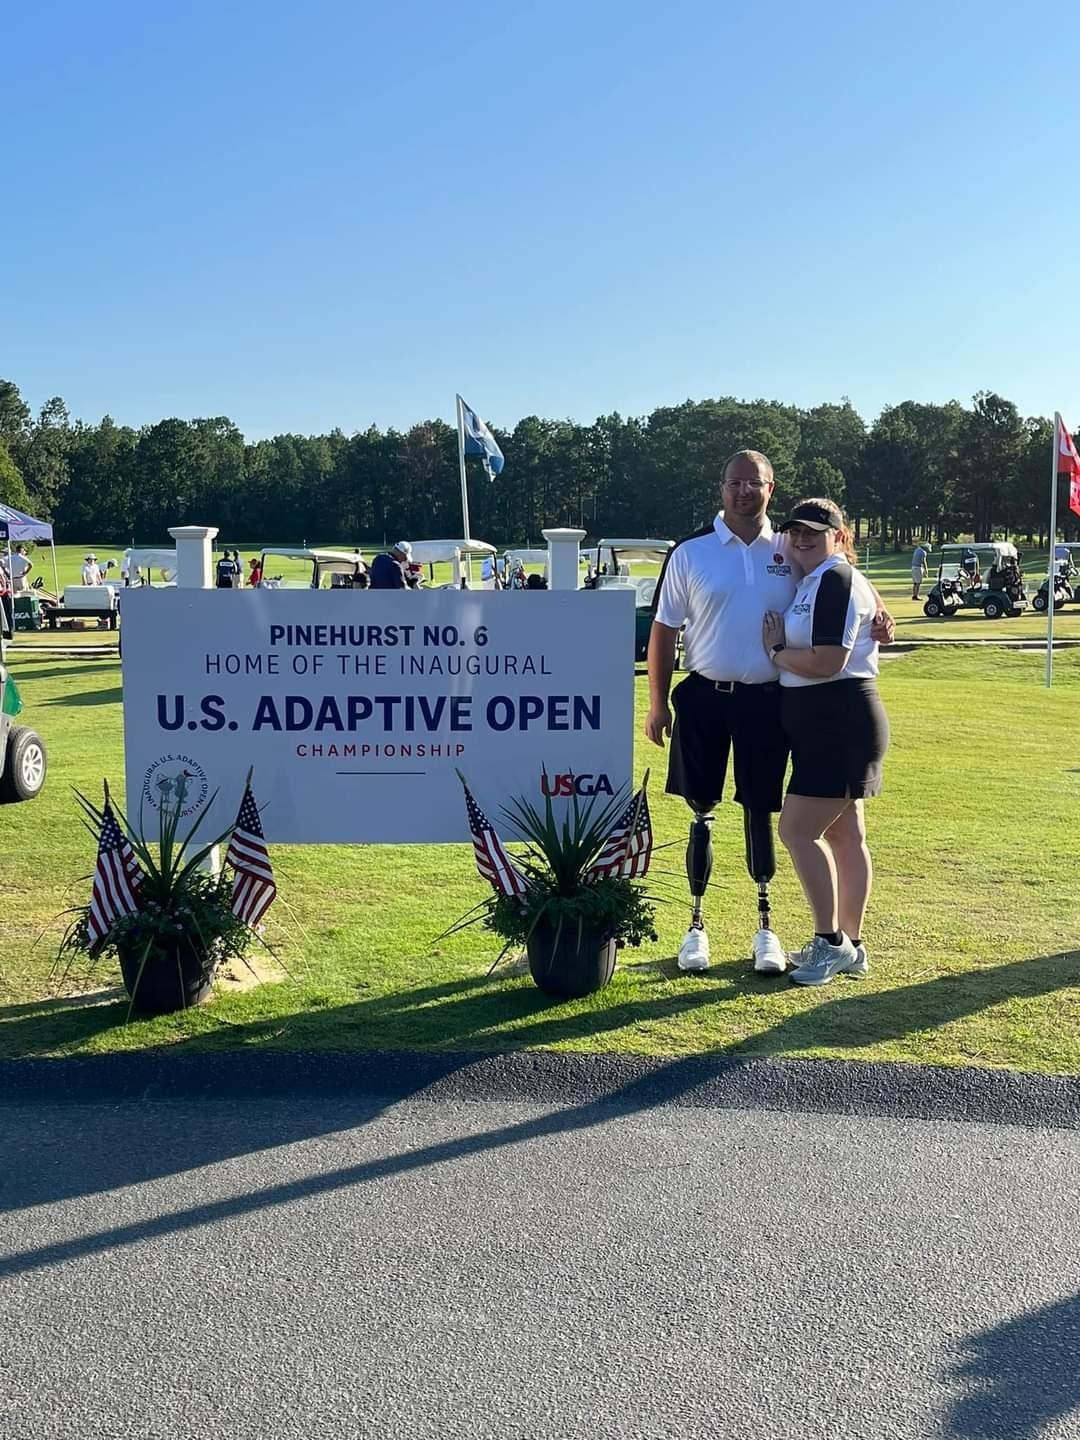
(862, 962)
(770, 957)
(820, 962)
(694, 950)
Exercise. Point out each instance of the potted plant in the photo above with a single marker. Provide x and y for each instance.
(572, 899)
(156, 907)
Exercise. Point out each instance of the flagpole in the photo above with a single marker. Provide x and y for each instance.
(1053, 541)
(461, 462)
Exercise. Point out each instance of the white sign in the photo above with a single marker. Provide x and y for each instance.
(356, 708)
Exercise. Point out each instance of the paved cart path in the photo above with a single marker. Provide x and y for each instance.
(439, 1266)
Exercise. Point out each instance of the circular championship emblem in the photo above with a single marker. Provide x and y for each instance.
(177, 783)
(778, 559)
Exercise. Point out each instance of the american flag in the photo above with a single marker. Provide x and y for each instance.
(492, 860)
(116, 880)
(253, 885)
(628, 848)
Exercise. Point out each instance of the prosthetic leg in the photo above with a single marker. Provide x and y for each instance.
(770, 958)
(694, 950)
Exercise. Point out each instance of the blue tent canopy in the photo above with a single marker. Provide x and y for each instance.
(25, 527)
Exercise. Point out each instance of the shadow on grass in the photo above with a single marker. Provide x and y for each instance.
(56, 672)
(88, 697)
(1022, 1375)
(493, 1013)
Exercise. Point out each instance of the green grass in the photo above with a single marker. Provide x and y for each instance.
(974, 927)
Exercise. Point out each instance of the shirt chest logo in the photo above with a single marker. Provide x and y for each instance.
(779, 566)
(803, 609)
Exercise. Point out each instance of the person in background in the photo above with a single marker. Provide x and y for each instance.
(91, 571)
(21, 565)
(536, 582)
(918, 569)
(255, 571)
(388, 569)
(227, 572)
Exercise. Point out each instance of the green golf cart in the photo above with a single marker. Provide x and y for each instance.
(983, 575)
(22, 751)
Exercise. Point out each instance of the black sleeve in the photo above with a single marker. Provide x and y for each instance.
(831, 606)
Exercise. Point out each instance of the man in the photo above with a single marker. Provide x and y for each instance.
(21, 565)
(918, 569)
(91, 571)
(388, 569)
(720, 582)
(225, 572)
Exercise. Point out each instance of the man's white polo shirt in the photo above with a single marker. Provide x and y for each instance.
(721, 588)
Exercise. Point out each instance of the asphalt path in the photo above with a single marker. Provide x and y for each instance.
(450, 1258)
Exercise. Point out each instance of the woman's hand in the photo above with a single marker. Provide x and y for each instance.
(772, 629)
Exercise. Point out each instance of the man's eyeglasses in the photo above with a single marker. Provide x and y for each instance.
(755, 485)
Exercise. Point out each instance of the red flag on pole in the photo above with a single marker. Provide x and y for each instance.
(1069, 464)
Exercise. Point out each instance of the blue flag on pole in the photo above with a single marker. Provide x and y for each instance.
(479, 440)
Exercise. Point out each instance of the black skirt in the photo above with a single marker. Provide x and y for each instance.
(838, 733)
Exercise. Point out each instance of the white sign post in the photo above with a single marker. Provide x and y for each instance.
(356, 709)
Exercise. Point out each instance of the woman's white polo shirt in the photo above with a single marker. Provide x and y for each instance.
(834, 605)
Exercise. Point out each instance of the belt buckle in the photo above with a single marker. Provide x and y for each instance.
(726, 687)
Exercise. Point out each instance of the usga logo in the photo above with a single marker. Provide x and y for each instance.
(177, 783)
(571, 784)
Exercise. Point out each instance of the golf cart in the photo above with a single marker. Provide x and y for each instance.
(149, 567)
(287, 567)
(22, 750)
(1065, 570)
(982, 576)
(610, 567)
(441, 552)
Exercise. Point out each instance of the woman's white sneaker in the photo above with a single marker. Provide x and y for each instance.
(694, 950)
(770, 957)
(820, 962)
(862, 962)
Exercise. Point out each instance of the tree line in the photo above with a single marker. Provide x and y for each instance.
(927, 471)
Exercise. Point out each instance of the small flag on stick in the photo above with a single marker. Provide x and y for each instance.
(628, 848)
(253, 885)
(117, 878)
(492, 861)
(1068, 464)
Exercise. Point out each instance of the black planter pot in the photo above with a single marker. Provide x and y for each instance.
(570, 968)
(174, 977)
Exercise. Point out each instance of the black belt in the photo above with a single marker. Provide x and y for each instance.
(728, 687)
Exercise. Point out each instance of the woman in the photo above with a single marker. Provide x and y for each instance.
(838, 732)
(255, 573)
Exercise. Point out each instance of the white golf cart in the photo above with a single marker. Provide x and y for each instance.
(612, 567)
(289, 567)
(429, 553)
(144, 566)
(1066, 568)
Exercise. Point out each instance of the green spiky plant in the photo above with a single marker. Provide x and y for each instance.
(559, 891)
(178, 900)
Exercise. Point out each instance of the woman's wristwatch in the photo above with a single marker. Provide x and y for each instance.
(774, 650)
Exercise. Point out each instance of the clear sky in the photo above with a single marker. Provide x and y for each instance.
(340, 212)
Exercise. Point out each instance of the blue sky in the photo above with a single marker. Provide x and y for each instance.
(340, 213)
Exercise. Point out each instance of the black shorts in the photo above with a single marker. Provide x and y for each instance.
(708, 722)
(838, 733)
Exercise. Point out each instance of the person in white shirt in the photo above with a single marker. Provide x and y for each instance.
(21, 565)
(834, 721)
(720, 583)
(91, 571)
